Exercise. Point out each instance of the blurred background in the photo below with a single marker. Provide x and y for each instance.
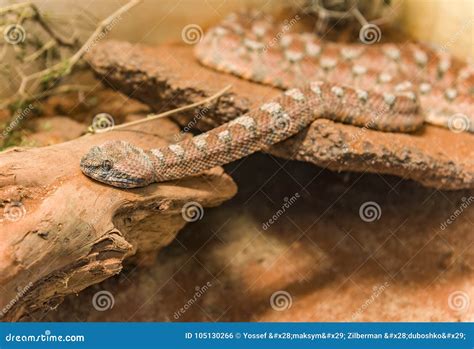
(156, 21)
(445, 23)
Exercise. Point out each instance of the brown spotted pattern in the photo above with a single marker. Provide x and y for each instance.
(254, 47)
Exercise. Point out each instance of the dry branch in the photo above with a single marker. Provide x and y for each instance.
(45, 82)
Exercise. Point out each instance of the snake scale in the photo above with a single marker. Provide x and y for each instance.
(386, 87)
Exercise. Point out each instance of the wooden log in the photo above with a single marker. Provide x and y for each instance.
(62, 232)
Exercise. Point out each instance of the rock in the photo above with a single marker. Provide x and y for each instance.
(167, 77)
(82, 107)
(53, 130)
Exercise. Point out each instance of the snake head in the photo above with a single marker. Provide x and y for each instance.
(118, 163)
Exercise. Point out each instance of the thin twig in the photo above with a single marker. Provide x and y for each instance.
(64, 89)
(169, 112)
(51, 43)
(101, 28)
(42, 22)
(45, 82)
(36, 15)
(64, 67)
(78, 55)
(14, 7)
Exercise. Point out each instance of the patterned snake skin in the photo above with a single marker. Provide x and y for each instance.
(257, 49)
(368, 98)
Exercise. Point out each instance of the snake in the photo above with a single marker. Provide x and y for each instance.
(385, 87)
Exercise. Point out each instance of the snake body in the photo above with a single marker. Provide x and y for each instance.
(259, 50)
(322, 87)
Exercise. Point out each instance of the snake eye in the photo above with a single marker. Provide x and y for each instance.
(107, 165)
